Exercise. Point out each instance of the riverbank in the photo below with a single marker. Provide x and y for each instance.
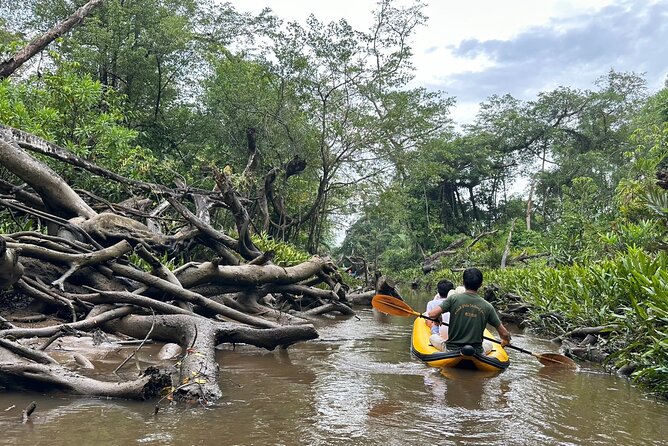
(613, 312)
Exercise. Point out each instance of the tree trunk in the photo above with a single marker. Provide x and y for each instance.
(529, 204)
(56, 194)
(506, 251)
(198, 374)
(43, 378)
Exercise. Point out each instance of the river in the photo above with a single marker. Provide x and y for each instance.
(358, 384)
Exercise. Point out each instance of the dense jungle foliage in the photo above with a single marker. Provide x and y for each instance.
(160, 90)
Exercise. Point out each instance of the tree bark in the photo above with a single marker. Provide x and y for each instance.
(506, 250)
(11, 269)
(198, 374)
(40, 377)
(55, 192)
(529, 204)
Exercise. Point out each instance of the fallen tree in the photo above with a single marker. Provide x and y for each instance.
(97, 265)
(460, 248)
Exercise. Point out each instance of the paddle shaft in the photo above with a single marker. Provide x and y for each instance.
(540, 357)
(392, 305)
(404, 309)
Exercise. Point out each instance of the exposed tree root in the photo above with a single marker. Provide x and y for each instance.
(110, 270)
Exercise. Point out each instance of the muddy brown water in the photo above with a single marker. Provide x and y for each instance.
(357, 384)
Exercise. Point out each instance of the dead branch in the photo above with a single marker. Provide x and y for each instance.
(25, 352)
(184, 294)
(524, 256)
(114, 297)
(506, 250)
(191, 306)
(584, 331)
(86, 324)
(13, 63)
(22, 376)
(35, 289)
(199, 369)
(480, 236)
(56, 194)
(246, 247)
(228, 242)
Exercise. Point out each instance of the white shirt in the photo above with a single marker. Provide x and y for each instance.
(445, 317)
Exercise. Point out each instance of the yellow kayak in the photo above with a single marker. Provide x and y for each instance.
(495, 360)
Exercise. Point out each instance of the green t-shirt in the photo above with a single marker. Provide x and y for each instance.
(469, 315)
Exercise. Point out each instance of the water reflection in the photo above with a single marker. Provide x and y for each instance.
(382, 318)
(358, 385)
(73, 417)
(279, 365)
(468, 388)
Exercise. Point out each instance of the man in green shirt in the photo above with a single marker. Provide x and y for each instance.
(469, 315)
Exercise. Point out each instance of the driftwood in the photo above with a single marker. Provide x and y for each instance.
(387, 286)
(627, 369)
(83, 269)
(19, 375)
(583, 343)
(25, 414)
(585, 331)
(362, 298)
(198, 368)
(588, 352)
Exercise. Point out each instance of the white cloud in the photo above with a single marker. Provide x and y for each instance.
(439, 63)
(464, 112)
(452, 22)
(475, 48)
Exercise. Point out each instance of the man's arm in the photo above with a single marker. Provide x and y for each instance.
(435, 312)
(504, 334)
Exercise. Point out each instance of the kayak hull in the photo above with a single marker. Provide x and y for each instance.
(495, 360)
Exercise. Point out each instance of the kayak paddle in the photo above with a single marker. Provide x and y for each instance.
(396, 307)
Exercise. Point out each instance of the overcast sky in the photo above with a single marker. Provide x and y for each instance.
(476, 48)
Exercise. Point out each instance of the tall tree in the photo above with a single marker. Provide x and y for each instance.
(333, 97)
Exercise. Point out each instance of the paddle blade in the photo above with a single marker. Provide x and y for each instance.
(392, 305)
(556, 360)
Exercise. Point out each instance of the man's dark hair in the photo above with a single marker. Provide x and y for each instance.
(444, 286)
(472, 278)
